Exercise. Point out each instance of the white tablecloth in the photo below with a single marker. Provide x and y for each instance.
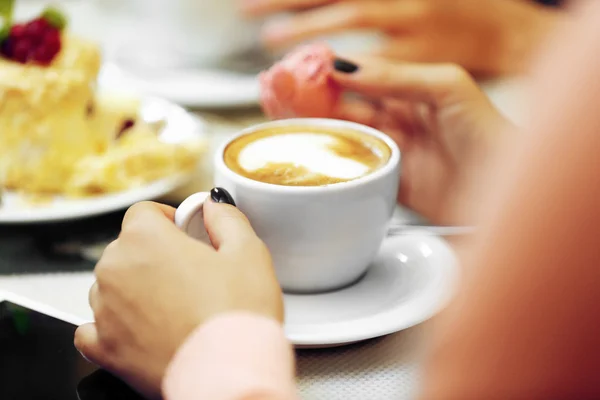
(380, 369)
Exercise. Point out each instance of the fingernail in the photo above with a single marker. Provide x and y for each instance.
(220, 195)
(344, 66)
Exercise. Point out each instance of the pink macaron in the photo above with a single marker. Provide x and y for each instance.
(300, 85)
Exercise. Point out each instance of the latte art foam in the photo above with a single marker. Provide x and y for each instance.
(306, 156)
(312, 152)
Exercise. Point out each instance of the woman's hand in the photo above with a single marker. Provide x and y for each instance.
(155, 285)
(488, 37)
(444, 125)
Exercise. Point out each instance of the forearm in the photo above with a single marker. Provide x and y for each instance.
(524, 323)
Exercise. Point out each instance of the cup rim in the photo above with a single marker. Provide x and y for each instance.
(388, 168)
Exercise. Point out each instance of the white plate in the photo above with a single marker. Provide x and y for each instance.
(200, 87)
(411, 279)
(191, 88)
(214, 89)
(179, 126)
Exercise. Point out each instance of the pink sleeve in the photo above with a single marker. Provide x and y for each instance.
(236, 356)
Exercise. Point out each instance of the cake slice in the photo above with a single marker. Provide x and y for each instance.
(57, 135)
(45, 112)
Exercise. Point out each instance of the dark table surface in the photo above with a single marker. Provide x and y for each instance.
(56, 247)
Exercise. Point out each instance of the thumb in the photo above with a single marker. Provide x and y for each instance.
(227, 227)
(435, 84)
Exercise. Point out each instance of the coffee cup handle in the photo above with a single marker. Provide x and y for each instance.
(189, 217)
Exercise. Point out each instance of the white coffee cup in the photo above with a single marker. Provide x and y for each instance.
(179, 33)
(321, 237)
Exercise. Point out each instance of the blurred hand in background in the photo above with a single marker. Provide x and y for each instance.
(487, 37)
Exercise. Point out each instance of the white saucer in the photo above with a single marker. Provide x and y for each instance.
(411, 279)
(179, 126)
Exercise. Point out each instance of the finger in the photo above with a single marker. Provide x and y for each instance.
(379, 113)
(435, 84)
(419, 49)
(265, 7)
(147, 211)
(405, 48)
(359, 111)
(168, 211)
(398, 121)
(339, 17)
(399, 49)
(87, 343)
(388, 115)
(227, 227)
(94, 297)
(375, 50)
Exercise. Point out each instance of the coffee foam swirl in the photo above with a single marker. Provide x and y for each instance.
(297, 156)
(312, 152)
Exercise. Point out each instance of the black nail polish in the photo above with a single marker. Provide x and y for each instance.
(344, 66)
(220, 195)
